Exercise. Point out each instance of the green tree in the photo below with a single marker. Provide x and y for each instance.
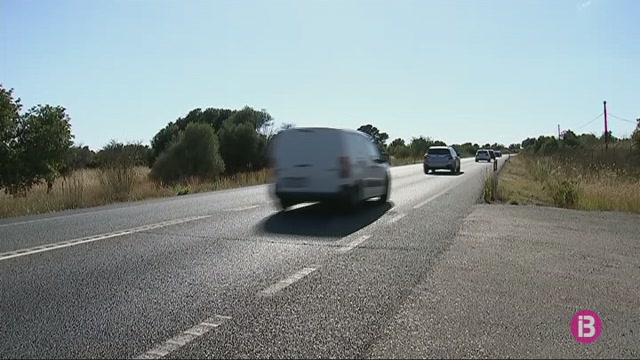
(401, 152)
(78, 157)
(130, 154)
(419, 146)
(194, 154)
(239, 146)
(588, 140)
(399, 149)
(260, 121)
(9, 120)
(635, 136)
(570, 139)
(257, 119)
(397, 142)
(612, 139)
(40, 141)
(163, 139)
(466, 149)
(528, 143)
(546, 143)
(380, 138)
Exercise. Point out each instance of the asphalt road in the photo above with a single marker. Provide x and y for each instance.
(224, 274)
(513, 279)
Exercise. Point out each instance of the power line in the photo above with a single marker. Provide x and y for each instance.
(619, 118)
(590, 121)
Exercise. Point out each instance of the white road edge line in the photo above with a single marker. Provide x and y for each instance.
(396, 218)
(287, 282)
(183, 338)
(67, 243)
(354, 243)
(244, 208)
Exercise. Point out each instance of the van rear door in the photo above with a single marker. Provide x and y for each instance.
(308, 160)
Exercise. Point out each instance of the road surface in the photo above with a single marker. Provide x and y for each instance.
(513, 279)
(223, 274)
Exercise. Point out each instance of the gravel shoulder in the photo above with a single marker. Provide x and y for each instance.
(511, 281)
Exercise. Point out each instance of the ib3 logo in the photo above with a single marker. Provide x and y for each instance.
(585, 326)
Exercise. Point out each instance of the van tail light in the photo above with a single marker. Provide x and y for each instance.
(345, 167)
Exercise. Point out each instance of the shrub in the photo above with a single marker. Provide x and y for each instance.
(194, 154)
(564, 193)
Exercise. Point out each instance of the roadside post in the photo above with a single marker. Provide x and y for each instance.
(495, 178)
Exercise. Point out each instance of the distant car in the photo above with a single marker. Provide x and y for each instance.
(492, 153)
(440, 158)
(483, 155)
(498, 153)
(317, 164)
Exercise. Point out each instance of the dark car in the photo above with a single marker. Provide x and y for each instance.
(492, 153)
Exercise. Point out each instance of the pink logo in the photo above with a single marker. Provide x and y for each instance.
(585, 326)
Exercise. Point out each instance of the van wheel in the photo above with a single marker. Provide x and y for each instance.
(387, 189)
(354, 198)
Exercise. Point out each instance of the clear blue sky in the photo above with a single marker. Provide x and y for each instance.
(480, 71)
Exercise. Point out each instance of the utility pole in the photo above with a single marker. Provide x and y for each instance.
(558, 131)
(606, 128)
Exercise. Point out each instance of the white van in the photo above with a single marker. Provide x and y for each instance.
(327, 164)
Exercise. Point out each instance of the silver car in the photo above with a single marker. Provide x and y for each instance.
(483, 155)
(441, 157)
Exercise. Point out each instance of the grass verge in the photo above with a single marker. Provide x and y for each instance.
(548, 181)
(93, 187)
(404, 161)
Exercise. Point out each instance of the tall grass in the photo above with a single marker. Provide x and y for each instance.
(589, 179)
(404, 161)
(490, 188)
(95, 187)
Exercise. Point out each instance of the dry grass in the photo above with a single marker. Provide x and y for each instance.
(489, 189)
(93, 187)
(404, 161)
(517, 185)
(563, 182)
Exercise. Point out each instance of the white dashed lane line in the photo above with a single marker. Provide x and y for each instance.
(396, 218)
(244, 208)
(271, 290)
(183, 338)
(354, 243)
(88, 239)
